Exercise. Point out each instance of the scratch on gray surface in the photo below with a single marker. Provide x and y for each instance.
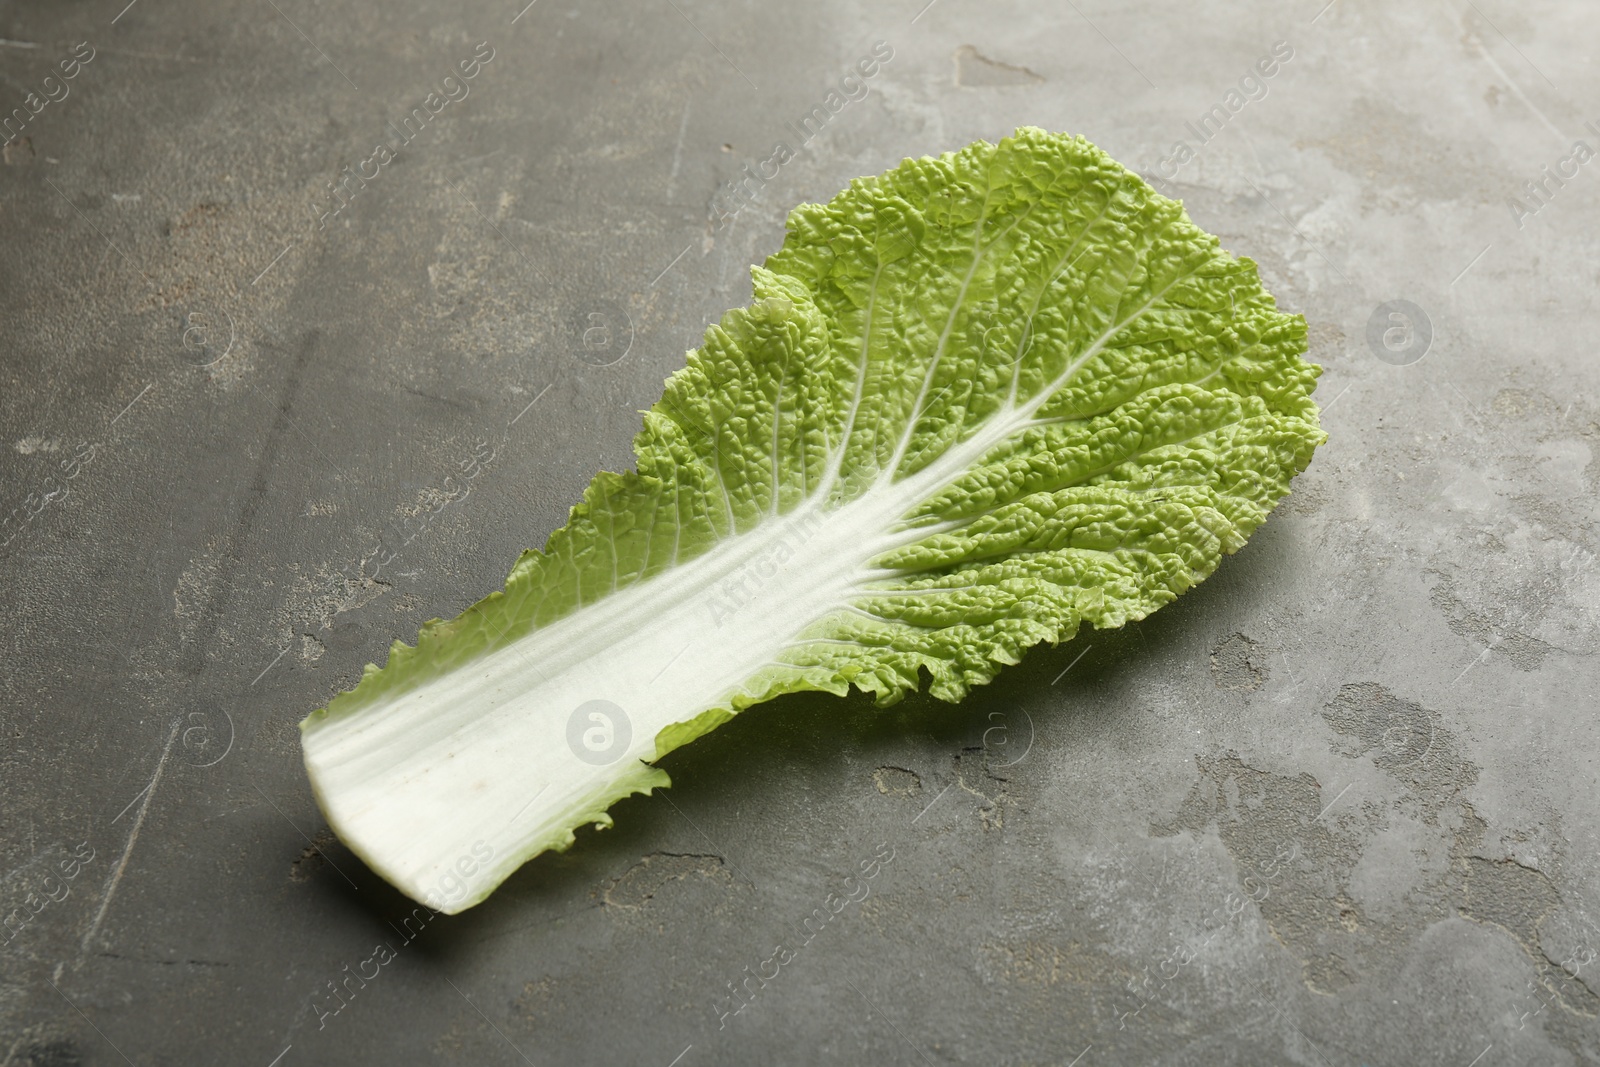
(1268, 201)
(1071, 665)
(130, 804)
(532, 402)
(1284, 696)
(174, 58)
(1515, 49)
(90, 1021)
(677, 152)
(302, 833)
(1517, 89)
(1471, 407)
(490, 1021)
(1261, 168)
(1338, 398)
(1469, 266)
(1332, 802)
(1479, 658)
(269, 666)
(479, 159)
(713, 44)
(514, 246)
(133, 837)
(720, 852)
(931, 803)
(669, 266)
(308, 41)
(1108, 41)
(274, 263)
(892, 1026)
(132, 402)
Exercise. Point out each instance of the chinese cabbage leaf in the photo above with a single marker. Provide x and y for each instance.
(975, 401)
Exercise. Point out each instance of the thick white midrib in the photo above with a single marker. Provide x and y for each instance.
(544, 655)
(410, 785)
(552, 649)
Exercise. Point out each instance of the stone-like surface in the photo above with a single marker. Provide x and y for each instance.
(1335, 806)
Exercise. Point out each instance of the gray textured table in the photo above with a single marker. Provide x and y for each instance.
(221, 387)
